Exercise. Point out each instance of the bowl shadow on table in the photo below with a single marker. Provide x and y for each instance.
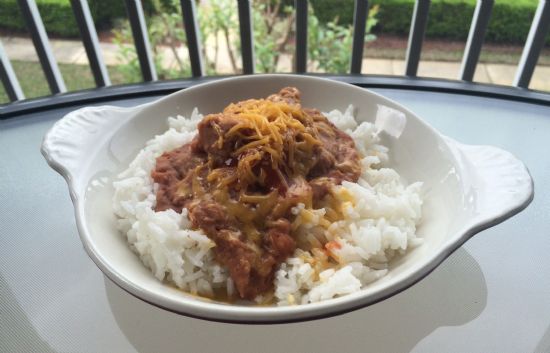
(454, 294)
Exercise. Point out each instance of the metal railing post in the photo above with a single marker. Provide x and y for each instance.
(247, 38)
(7, 75)
(88, 33)
(416, 36)
(42, 45)
(193, 37)
(480, 22)
(533, 45)
(141, 39)
(360, 16)
(301, 36)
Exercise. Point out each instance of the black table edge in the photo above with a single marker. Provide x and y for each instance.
(105, 94)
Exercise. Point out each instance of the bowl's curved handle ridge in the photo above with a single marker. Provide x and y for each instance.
(500, 184)
(70, 143)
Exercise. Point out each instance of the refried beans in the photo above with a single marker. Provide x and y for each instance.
(245, 170)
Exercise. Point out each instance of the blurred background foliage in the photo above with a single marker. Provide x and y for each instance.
(329, 42)
(329, 37)
(510, 19)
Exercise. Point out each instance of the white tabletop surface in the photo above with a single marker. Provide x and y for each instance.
(491, 295)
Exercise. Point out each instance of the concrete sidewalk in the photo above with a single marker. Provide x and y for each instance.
(72, 52)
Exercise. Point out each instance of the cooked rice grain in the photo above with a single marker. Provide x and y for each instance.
(380, 223)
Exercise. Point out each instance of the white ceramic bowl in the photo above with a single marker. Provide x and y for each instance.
(466, 188)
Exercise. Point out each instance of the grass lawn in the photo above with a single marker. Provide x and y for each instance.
(78, 77)
(34, 84)
(394, 47)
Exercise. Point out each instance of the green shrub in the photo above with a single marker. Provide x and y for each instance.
(58, 16)
(510, 21)
(395, 16)
(328, 45)
(105, 12)
(450, 19)
(326, 11)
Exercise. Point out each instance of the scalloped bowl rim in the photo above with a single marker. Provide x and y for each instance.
(253, 314)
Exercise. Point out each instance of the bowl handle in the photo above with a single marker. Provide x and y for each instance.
(496, 182)
(71, 142)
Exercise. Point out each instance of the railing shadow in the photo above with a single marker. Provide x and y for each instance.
(454, 294)
(17, 333)
(544, 344)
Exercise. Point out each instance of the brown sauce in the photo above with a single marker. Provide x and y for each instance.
(244, 171)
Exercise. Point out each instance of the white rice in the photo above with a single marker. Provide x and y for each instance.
(379, 223)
